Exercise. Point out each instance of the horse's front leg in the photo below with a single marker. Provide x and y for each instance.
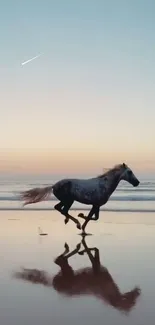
(95, 260)
(82, 216)
(94, 211)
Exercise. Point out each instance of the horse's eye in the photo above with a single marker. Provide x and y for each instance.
(129, 172)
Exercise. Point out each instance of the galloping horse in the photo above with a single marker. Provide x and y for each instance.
(94, 281)
(94, 191)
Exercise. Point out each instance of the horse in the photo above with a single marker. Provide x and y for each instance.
(91, 281)
(94, 191)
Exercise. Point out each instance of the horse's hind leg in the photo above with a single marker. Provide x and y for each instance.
(62, 255)
(63, 208)
(67, 254)
(66, 269)
(59, 206)
(75, 251)
(66, 251)
(68, 216)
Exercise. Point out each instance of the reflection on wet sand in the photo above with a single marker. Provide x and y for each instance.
(95, 280)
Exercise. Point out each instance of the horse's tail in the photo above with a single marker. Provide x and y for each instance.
(36, 195)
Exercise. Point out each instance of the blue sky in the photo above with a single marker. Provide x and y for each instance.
(89, 100)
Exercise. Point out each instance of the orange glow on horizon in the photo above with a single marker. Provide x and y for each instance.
(71, 161)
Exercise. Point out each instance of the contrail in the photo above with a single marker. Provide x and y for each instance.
(31, 59)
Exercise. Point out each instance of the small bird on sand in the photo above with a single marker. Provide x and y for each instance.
(42, 233)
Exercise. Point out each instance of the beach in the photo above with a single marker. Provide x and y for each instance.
(126, 251)
(38, 286)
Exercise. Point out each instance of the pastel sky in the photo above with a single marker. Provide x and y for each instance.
(88, 101)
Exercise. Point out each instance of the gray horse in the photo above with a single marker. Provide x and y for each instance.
(93, 191)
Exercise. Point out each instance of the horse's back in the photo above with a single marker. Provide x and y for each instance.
(86, 191)
(82, 190)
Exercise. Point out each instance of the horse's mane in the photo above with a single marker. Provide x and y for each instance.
(109, 170)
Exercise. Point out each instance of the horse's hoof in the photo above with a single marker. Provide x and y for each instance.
(84, 234)
(66, 247)
(81, 253)
(66, 221)
(78, 226)
(81, 215)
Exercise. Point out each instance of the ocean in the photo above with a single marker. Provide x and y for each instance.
(125, 199)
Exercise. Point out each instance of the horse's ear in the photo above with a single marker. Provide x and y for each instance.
(124, 165)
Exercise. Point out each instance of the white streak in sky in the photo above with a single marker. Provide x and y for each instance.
(31, 59)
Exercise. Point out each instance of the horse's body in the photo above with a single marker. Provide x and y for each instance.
(94, 191)
(87, 191)
(95, 281)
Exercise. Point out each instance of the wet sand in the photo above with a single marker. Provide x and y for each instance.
(118, 290)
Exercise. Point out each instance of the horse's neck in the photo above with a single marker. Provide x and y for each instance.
(113, 182)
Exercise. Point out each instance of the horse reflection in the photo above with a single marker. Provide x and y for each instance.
(95, 280)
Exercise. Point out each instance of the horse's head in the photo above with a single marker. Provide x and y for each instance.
(128, 175)
(128, 300)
